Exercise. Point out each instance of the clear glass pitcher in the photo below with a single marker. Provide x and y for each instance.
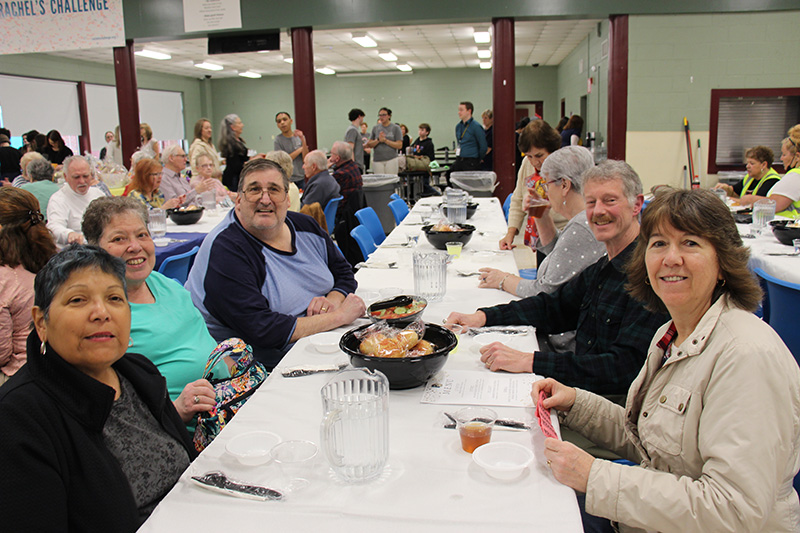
(455, 201)
(430, 275)
(355, 427)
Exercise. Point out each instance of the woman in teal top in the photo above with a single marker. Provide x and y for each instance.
(760, 177)
(165, 325)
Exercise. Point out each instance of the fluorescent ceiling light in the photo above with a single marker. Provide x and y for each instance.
(481, 36)
(404, 68)
(288, 59)
(208, 66)
(326, 70)
(484, 54)
(387, 55)
(153, 55)
(485, 65)
(364, 40)
(250, 74)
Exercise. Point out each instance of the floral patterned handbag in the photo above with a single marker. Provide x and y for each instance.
(232, 393)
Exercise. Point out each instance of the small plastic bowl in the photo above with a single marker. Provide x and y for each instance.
(253, 448)
(482, 339)
(503, 460)
(326, 342)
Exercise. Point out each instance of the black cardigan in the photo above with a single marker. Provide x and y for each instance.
(56, 473)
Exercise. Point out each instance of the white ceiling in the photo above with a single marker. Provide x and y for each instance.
(422, 47)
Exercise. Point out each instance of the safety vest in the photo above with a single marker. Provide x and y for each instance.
(749, 181)
(793, 211)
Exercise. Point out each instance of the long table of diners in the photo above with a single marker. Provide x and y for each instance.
(182, 238)
(429, 483)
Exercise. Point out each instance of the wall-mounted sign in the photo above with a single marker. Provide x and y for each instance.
(204, 15)
(50, 25)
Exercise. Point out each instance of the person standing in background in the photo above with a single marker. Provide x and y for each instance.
(202, 145)
(471, 141)
(386, 139)
(9, 159)
(488, 121)
(149, 145)
(353, 137)
(293, 142)
(364, 145)
(109, 137)
(406, 139)
(571, 134)
(56, 151)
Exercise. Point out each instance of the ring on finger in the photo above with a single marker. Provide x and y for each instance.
(324, 309)
(196, 400)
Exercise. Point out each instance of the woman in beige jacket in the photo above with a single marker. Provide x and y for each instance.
(713, 419)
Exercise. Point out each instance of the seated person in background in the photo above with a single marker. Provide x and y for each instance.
(66, 206)
(351, 184)
(23, 177)
(759, 180)
(145, 185)
(165, 326)
(284, 160)
(42, 186)
(612, 329)
(710, 459)
(87, 427)
(55, 150)
(345, 170)
(173, 185)
(204, 177)
(269, 276)
(320, 185)
(423, 144)
(9, 161)
(25, 246)
(786, 193)
(569, 251)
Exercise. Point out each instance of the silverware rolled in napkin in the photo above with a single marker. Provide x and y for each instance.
(502, 422)
(783, 253)
(219, 482)
(505, 330)
(307, 370)
(377, 264)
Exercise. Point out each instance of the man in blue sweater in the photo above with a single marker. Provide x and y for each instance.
(270, 276)
(471, 140)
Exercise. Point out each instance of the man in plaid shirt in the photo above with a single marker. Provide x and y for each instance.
(345, 170)
(613, 331)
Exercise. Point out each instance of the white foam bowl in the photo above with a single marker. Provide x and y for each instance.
(483, 339)
(326, 342)
(252, 448)
(503, 460)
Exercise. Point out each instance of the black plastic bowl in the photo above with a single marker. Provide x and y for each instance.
(399, 322)
(439, 239)
(471, 208)
(405, 372)
(183, 218)
(784, 233)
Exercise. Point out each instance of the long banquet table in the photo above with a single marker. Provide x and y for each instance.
(429, 483)
(780, 266)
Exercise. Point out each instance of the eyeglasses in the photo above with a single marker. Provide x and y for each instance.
(255, 193)
(383, 114)
(155, 174)
(180, 155)
(553, 181)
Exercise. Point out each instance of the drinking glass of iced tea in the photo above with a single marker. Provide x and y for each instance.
(475, 426)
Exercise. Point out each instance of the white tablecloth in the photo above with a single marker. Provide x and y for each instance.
(780, 266)
(204, 225)
(429, 483)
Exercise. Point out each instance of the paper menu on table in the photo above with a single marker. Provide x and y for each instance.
(476, 387)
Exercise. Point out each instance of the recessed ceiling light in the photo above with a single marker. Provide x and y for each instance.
(250, 74)
(485, 65)
(484, 54)
(208, 66)
(404, 67)
(153, 55)
(364, 40)
(481, 36)
(326, 70)
(288, 59)
(387, 55)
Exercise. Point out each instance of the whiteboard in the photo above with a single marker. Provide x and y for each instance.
(43, 105)
(162, 110)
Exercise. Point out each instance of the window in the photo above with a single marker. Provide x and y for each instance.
(743, 118)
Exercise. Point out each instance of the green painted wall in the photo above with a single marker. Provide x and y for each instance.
(675, 61)
(430, 96)
(587, 60)
(61, 68)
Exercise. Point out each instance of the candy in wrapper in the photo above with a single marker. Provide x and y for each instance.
(543, 415)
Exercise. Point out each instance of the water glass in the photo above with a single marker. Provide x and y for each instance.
(796, 243)
(721, 194)
(295, 459)
(158, 223)
(208, 200)
(430, 275)
(456, 204)
(355, 428)
(763, 213)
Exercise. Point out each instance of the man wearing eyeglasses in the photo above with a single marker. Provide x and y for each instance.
(173, 185)
(268, 275)
(385, 141)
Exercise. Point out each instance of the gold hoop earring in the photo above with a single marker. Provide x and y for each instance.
(647, 281)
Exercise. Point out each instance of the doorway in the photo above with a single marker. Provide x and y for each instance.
(528, 108)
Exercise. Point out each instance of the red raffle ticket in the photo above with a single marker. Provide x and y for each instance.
(544, 417)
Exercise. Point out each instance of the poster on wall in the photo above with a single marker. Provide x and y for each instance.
(204, 15)
(29, 26)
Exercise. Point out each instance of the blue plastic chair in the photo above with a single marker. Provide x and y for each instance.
(330, 212)
(395, 196)
(369, 218)
(783, 300)
(177, 266)
(507, 205)
(399, 210)
(364, 239)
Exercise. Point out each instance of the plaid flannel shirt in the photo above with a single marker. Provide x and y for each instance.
(613, 331)
(348, 176)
